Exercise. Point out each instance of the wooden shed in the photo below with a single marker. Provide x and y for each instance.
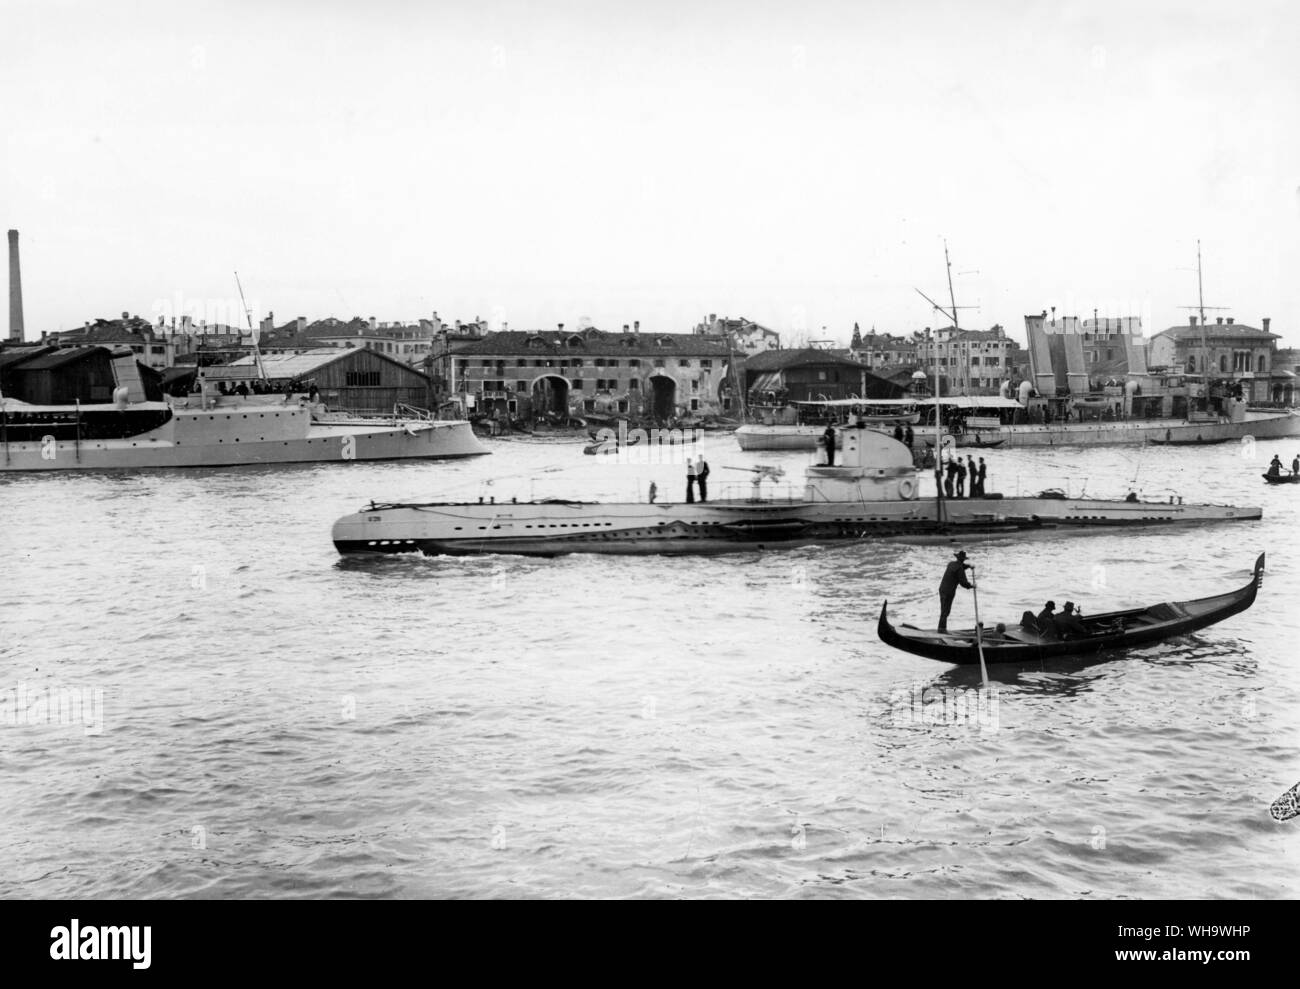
(349, 379)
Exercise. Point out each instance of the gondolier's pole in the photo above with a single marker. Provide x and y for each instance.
(979, 629)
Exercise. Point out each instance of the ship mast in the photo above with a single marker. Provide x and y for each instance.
(248, 315)
(1205, 348)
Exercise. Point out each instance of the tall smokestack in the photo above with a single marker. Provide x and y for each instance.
(15, 291)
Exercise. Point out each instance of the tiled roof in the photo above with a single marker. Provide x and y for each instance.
(294, 365)
(57, 358)
(777, 360)
(11, 356)
(1217, 329)
(596, 343)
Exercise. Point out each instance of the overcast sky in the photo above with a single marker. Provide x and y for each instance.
(799, 163)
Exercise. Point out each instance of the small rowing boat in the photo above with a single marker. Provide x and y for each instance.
(1114, 630)
(1282, 478)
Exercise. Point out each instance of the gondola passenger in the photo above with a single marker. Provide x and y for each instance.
(1068, 624)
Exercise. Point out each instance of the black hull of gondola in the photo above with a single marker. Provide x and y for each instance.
(1135, 627)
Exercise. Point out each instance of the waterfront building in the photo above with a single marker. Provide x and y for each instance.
(151, 345)
(359, 380)
(1232, 355)
(44, 374)
(809, 374)
(568, 372)
(747, 337)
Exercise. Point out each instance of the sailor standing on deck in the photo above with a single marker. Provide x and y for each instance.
(953, 577)
(690, 481)
(975, 491)
(828, 440)
(983, 472)
(702, 478)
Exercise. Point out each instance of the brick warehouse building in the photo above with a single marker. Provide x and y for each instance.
(532, 373)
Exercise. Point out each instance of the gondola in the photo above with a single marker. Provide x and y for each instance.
(1282, 478)
(1113, 630)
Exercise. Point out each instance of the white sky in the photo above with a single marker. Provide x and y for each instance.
(798, 163)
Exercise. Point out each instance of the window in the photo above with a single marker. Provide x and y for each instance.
(634, 385)
(706, 363)
(613, 363)
(1223, 364)
(362, 379)
(695, 404)
(659, 362)
(821, 376)
(1261, 363)
(521, 386)
(683, 363)
(634, 362)
(577, 384)
(599, 362)
(576, 362)
(520, 362)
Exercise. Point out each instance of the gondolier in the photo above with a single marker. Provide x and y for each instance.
(953, 577)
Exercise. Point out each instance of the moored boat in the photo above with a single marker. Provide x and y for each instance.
(208, 429)
(1112, 630)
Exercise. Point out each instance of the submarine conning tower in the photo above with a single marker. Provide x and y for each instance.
(869, 466)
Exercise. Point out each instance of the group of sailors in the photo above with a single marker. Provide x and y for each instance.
(956, 473)
(1275, 466)
(258, 387)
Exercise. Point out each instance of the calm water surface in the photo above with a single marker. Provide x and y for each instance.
(276, 721)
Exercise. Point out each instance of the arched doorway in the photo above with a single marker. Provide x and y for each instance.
(550, 395)
(663, 396)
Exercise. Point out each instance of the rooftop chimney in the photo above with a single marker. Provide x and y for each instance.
(561, 327)
(1218, 320)
(372, 322)
(636, 326)
(1193, 320)
(125, 316)
(1266, 320)
(713, 318)
(302, 324)
(15, 291)
(1230, 319)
